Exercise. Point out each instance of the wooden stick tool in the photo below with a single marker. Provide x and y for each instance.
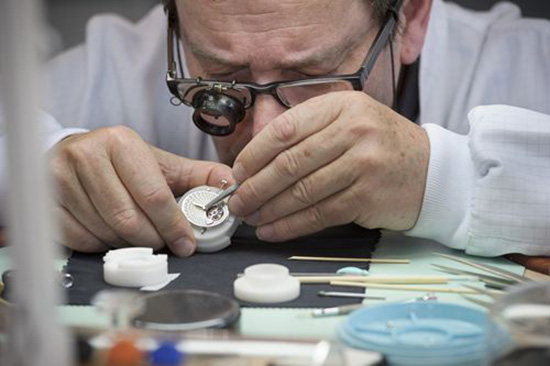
(345, 259)
(455, 290)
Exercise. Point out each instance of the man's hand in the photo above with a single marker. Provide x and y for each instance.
(115, 190)
(335, 159)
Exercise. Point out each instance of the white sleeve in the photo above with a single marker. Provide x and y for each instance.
(489, 193)
(53, 132)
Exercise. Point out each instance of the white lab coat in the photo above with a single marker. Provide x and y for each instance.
(488, 189)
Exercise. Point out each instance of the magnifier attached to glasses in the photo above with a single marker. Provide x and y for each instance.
(220, 105)
(217, 112)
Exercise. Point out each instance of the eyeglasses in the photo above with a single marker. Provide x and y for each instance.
(220, 105)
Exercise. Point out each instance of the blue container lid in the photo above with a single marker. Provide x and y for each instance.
(418, 333)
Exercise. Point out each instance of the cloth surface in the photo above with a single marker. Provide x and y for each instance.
(469, 59)
(216, 271)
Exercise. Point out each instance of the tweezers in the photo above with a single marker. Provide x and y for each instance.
(223, 194)
(493, 295)
(511, 276)
(485, 304)
(490, 281)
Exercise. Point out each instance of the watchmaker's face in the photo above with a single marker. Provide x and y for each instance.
(263, 41)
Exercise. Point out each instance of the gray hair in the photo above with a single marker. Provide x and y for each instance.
(381, 8)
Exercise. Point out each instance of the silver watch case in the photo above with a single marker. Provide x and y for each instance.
(213, 228)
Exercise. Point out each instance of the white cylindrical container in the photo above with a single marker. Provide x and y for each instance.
(266, 283)
(134, 267)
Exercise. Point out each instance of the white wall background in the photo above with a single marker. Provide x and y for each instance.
(68, 17)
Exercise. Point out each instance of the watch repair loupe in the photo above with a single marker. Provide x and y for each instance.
(217, 112)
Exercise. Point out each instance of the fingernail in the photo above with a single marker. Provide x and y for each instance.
(253, 218)
(265, 232)
(236, 205)
(238, 173)
(184, 247)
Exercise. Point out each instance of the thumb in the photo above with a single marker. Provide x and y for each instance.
(182, 174)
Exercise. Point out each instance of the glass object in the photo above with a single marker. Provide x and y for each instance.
(520, 327)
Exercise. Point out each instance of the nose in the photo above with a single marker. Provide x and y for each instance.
(265, 109)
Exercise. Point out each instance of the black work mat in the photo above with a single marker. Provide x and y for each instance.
(216, 271)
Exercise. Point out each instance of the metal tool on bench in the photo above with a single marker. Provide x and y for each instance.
(502, 273)
(498, 278)
(489, 280)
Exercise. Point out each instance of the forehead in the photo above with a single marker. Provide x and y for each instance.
(267, 33)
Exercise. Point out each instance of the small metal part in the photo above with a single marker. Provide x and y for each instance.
(223, 183)
(66, 280)
(338, 310)
(214, 214)
(199, 206)
(428, 296)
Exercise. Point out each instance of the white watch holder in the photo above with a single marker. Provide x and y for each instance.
(134, 267)
(212, 228)
(266, 283)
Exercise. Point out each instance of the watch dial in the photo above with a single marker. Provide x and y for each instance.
(191, 207)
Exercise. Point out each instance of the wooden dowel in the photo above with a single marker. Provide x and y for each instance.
(376, 279)
(343, 259)
(456, 290)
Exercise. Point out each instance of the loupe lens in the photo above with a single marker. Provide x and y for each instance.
(216, 112)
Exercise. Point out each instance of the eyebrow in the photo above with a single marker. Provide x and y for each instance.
(333, 55)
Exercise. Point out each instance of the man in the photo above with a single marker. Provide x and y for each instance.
(340, 157)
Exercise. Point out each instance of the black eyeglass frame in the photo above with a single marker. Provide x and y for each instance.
(357, 79)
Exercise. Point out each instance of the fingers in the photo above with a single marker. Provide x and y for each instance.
(308, 191)
(146, 184)
(114, 202)
(182, 174)
(285, 131)
(285, 170)
(338, 209)
(75, 201)
(124, 186)
(116, 190)
(75, 235)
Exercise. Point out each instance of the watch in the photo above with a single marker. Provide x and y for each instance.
(214, 227)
